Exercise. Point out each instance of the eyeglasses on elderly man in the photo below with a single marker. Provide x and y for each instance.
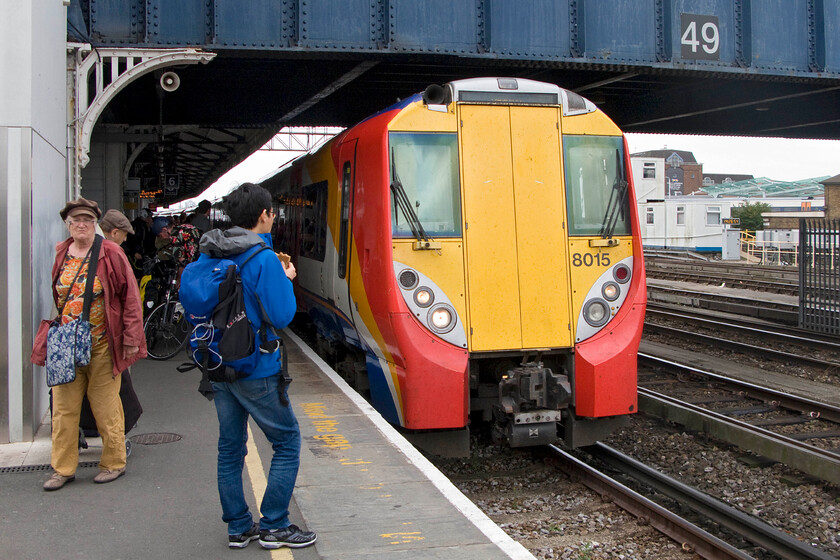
(79, 220)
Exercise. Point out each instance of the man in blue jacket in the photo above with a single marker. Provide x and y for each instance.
(269, 298)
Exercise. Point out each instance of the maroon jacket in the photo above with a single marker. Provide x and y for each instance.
(123, 308)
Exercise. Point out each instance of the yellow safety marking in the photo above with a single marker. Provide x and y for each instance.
(403, 538)
(253, 465)
(360, 462)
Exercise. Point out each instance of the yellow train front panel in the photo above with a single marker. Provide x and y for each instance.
(515, 239)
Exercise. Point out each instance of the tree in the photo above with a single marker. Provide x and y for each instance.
(750, 215)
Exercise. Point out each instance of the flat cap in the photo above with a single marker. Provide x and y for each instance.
(80, 206)
(114, 219)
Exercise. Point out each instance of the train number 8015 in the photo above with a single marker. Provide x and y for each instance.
(588, 259)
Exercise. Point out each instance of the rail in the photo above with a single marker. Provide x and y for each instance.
(750, 528)
(692, 537)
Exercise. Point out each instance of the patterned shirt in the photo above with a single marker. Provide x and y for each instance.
(75, 304)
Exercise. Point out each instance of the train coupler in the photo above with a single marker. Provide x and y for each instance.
(533, 386)
(531, 400)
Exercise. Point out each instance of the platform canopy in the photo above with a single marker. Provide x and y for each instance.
(762, 187)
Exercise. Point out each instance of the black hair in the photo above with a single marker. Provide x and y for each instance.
(245, 204)
(203, 207)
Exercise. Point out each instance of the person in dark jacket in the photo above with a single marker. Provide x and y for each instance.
(261, 394)
(201, 218)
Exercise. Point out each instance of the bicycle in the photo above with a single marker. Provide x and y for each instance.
(166, 327)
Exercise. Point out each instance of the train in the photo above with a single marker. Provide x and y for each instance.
(471, 254)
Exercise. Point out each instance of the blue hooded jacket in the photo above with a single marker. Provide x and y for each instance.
(269, 294)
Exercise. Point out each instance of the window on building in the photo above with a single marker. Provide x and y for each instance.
(680, 215)
(708, 181)
(674, 160)
(649, 171)
(649, 215)
(712, 215)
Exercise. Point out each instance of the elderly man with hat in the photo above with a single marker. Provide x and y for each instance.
(117, 341)
(115, 226)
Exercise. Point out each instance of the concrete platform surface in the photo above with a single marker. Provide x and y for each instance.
(362, 487)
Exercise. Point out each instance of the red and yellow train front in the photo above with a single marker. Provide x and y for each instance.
(515, 252)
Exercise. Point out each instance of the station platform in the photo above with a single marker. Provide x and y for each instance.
(362, 487)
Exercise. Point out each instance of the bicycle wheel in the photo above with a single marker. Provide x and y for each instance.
(166, 330)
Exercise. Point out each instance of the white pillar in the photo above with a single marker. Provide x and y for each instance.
(33, 188)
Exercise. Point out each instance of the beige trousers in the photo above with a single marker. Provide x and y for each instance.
(103, 392)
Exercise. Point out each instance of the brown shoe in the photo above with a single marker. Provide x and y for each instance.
(108, 476)
(57, 481)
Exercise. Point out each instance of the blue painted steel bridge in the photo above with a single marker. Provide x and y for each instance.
(737, 67)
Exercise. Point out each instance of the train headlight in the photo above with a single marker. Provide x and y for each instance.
(441, 318)
(424, 297)
(596, 312)
(610, 291)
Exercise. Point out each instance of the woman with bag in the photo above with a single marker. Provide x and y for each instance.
(104, 319)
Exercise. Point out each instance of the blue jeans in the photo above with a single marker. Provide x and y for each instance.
(260, 399)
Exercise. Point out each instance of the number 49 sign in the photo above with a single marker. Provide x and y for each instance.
(699, 37)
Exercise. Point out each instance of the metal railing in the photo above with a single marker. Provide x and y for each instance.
(819, 275)
(777, 253)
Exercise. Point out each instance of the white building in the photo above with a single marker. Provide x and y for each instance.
(695, 221)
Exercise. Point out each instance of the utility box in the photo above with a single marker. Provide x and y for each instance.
(730, 249)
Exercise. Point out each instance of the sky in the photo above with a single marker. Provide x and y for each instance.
(780, 159)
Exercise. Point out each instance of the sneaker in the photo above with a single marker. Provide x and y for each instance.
(243, 539)
(57, 481)
(290, 536)
(108, 476)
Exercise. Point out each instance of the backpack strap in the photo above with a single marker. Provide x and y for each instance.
(265, 346)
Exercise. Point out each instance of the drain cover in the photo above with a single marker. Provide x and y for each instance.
(154, 439)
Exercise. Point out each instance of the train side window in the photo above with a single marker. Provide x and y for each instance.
(313, 241)
(343, 242)
(680, 215)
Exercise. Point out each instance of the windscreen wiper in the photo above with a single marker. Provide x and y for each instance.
(404, 204)
(615, 206)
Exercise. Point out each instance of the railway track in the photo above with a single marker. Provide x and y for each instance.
(693, 538)
(726, 280)
(801, 345)
(758, 419)
(741, 324)
(786, 275)
(750, 306)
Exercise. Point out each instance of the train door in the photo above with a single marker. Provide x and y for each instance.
(340, 281)
(515, 233)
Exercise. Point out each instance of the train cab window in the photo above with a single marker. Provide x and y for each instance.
(424, 167)
(597, 193)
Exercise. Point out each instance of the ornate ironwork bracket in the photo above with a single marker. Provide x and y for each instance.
(98, 75)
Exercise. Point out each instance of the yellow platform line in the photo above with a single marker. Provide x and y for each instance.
(253, 465)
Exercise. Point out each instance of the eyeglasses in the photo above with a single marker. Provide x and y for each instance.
(75, 221)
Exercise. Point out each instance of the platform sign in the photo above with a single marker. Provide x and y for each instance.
(699, 37)
(732, 221)
(171, 184)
